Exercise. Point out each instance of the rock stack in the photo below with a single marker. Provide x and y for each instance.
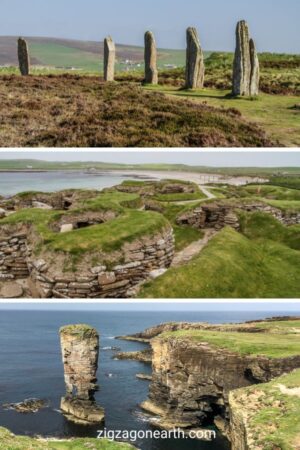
(80, 351)
(23, 56)
(109, 59)
(194, 77)
(246, 64)
(151, 72)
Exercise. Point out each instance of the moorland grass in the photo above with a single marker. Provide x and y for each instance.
(79, 111)
(9, 441)
(268, 344)
(233, 266)
(275, 419)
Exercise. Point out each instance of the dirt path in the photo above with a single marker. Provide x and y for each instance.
(185, 255)
(206, 192)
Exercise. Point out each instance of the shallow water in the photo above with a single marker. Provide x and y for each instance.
(14, 182)
(31, 366)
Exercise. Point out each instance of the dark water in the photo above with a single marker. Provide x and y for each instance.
(14, 182)
(30, 366)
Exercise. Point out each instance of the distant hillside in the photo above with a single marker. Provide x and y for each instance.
(85, 55)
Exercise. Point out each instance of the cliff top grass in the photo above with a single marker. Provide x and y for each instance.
(9, 441)
(259, 264)
(278, 341)
(271, 412)
(79, 330)
(129, 225)
(80, 111)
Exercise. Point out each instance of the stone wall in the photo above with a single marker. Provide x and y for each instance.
(118, 281)
(191, 381)
(217, 215)
(13, 256)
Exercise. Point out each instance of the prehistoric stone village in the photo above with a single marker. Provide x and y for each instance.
(232, 377)
(137, 239)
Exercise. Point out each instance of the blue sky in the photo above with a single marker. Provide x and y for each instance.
(274, 23)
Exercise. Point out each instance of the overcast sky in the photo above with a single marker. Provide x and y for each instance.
(200, 158)
(150, 306)
(273, 23)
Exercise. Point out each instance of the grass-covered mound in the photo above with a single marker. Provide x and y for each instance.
(79, 111)
(129, 224)
(233, 265)
(271, 412)
(278, 342)
(9, 441)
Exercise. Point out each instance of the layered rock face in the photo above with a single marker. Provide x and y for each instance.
(246, 64)
(194, 77)
(151, 72)
(80, 352)
(23, 56)
(191, 380)
(109, 59)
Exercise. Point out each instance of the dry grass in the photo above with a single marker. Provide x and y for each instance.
(78, 111)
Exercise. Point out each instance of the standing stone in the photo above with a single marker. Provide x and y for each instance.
(194, 78)
(23, 56)
(255, 74)
(109, 59)
(80, 351)
(246, 64)
(151, 72)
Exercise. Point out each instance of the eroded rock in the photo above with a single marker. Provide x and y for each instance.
(151, 72)
(194, 78)
(23, 56)
(11, 289)
(109, 59)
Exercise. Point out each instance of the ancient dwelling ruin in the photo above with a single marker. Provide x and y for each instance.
(80, 352)
(109, 59)
(246, 64)
(23, 57)
(151, 72)
(194, 76)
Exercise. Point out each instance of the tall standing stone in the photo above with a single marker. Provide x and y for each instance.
(194, 77)
(23, 56)
(80, 351)
(246, 65)
(109, 59)
(255, 73)
(151, 72)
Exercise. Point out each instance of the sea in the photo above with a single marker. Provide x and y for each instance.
(12, 183)
(31, 367)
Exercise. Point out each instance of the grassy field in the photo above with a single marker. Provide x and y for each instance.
(81, 112)
(274, 113)
(235, 265)
(9, 441)
(273, 416)
(283, 343)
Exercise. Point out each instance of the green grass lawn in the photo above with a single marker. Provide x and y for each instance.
(268, 344)
(9, 441)
(273, 112)
(275, 419)
(233, 266)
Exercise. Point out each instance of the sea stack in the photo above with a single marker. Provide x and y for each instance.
(80, 352)
(23, 56)
(246, 65)
(109, 59)
(151, 72)
(195, 70)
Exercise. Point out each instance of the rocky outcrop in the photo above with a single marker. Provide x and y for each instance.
(142, 356)
(191, 380)
(109, 59)
(194, 77)
(80, 352)
(246, 64)
(23, 56)
(151, 72)
(218, 215)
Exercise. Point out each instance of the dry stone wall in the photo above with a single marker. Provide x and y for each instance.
(13, 256)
